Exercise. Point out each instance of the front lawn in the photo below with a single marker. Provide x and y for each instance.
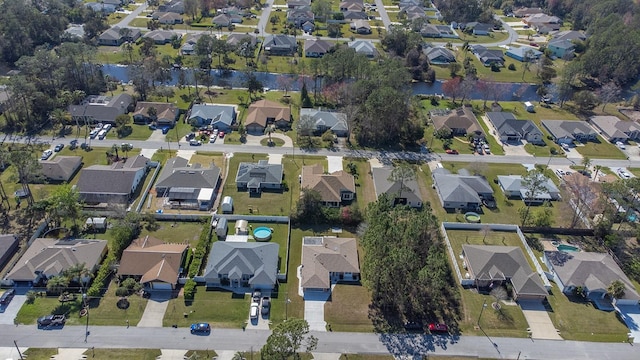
(222, 309)
(509, 321)
(365, 190)
(122, 354)
(345, 310)
(138, 132)
(40, 353)
(600, 149)
(293, 168)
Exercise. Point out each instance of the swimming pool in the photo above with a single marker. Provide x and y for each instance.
(567, 248)
(262, 234)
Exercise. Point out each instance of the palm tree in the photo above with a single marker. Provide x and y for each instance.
(616, 289)
(59, 116)
(586, 162)
(597, 169)
(126, 148)
(268, 130)
(57, 284)
(115, 148)
(76, 273)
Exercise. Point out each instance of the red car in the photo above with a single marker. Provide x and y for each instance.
(441, 328)
(221, 134)
(451, 151)
(533, 44)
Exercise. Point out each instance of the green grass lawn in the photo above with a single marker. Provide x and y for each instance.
(103, 311)
(634, 171)
(279, 236)
(40, 353)
(275, 142)
(176, 232)
(579, 320)
(163, 155)
(436, 145)
(365, 191)
(600, 149)
(345, 310)
(138, 132)
(508, 322)
(124, 354)
(222, 309)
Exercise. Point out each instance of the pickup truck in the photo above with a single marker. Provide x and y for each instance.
(51, 321)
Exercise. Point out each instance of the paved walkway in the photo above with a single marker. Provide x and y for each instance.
(148, 153)
(255, 139)
(132, 15)
(326, 356)
(171, 354)
(335, 163)
(70, 354)
(11, 352)
(154, 312)
(539, 321)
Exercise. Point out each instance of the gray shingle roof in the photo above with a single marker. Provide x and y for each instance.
(280, 41)
(513, 183)
(214, 114)
(595, 271)
(333, 120)
(116, 178)
(238, 258)
(507, 125)
(60, 168)
(382, 185)
(177, 173)
(261, 172)
(461, 188)
(614, 128)
(567, 128)
(500, 262)
(317, 45)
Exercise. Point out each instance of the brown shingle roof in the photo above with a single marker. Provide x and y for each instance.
(152, 259)
(462, 118)
(262, 110)
(328, 185)
(322, 256)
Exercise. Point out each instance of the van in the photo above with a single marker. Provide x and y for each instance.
(102, 134)
(106, 127)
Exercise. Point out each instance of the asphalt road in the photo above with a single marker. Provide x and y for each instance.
(367, 343)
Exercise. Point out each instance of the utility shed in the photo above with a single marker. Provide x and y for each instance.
(222, 227)
(227, 205)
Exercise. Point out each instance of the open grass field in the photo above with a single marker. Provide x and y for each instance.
(345, 310)
(222, 309)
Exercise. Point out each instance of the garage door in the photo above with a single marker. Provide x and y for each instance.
(160, 285)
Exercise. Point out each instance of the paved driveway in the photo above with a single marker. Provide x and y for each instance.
(11, 311)
(631, 317)
(154, 311)
(335, 163)
(539, 321)
(314, 314)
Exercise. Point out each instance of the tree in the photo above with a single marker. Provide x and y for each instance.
(64, 203)
(268, 130)
(57, 284)
(452, 88)
(586, 163)
(287, 339)
(191, 8)
(246, 49)
(306, 126)
(485, 231)
(242, 131)
(284, 82)
(608, 93)
(321, 9)
(309, 207)
(252, 84)
(28, 169)
(305, 100)
(585, 99)
(334, 30)
(582, 196)
(616, 289)
(402, 174)
(533, 183)
(78, 273)
(126, 148)
(115, 148)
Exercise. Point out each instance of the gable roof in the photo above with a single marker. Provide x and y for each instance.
(163, 110)
(439, 51)
(595, 271)
(152, 259)
(235, 39)
(279, 41)
(102, 107)
(352, 15)
(524, 51)
(261, 171)
(486, 262)
(382, 185)
(53, 256)
(177, 173)
(460, 188)
(513, 183)
(507, 125)
(238, 258)
(330, 186)
(116, 178)
(363, 47)
(561, 44)
(322, 256)
(567, 128)
(335, 121)
(161, 35)
(614, 128)
(317, 45)
(113, 33)
(60, 168)
(569, 35)
(261, 111)
(215, 114)
(461, 118)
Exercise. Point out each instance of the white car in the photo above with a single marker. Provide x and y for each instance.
(623, 174)
(255, 310)
(46, 154)
(560, 172)
(620, 144)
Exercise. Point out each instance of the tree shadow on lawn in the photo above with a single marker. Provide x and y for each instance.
(415, 345)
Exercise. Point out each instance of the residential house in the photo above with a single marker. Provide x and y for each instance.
(562, 49)
(351, 5)
(512, 130)
(226, 20)
(363, 47)
(460, 122)
(242, 265)
(235, 39)
(188, 186)
(405, 3)
(327, 261)
(439, 55)
(265, 112)
(525, 11)
(334, 189)
(437, 31)
(568, 131)
(233, 10)
(591, 272)
(614, 129)
(167, 18)
(308, 27)
(406, 193)
(46, 258)
(166, 114)
(317, 48)
(294, 4)
(571, 35)
(189, 46)
(101, 7)
(162, 37)
(543, 23)
(75, 31)
(335, 122)
(513, 187)
(280, 44)
(8, 247)
(299, 16)
(477, 28)
(115, 37)
(355, 15)
(256, 177)
(361, 27)
(112, 184)
(154, 263)
(413, 12)
(60, 168)
(523, 53)
(100, 109)
(492, 266)
(175, 6)
(218, 116)
(487, 56)
(461, 191)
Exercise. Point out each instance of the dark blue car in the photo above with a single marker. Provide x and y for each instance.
(200, 328)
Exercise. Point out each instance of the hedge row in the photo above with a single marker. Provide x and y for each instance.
(189, 289)
(202, 249)
(99, 282)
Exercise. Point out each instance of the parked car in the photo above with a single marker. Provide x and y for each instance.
(93, 133)
(212, 139)
(58, 147)
(565, 146)
(585, 173)
(254, 310)
(73, 144)
(266, 306)
(486, 148)
(413, 326)
(6, 297)
(51, 321)
(621, 145)
(451, 151)
(200, 328)
(438, 328)
(623, 174)
(195, 142)
(256, 295)
(221, 134)
(165, 129)
(560, 172)
(106, 127)
(46, 154)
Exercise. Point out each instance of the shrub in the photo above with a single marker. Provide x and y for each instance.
(189, 289)
(201, 251)
(31, 296)
(122, 291)
(512, 67)
(99, 282)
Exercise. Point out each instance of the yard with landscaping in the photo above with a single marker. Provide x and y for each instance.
(222, 309)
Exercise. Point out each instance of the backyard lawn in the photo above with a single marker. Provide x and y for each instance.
(176, 232)
(222, 309)
(345, 310)
(138, 132)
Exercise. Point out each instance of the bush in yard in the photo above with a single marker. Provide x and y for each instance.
(189, 289)
(31, 296)
(512, 67)
(201, 251)
(122, 291)
(99, 281)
